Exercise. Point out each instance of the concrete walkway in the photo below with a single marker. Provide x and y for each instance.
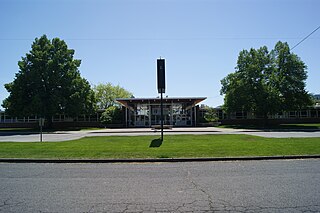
(60, 136)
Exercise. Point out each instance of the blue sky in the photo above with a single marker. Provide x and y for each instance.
(119, 41)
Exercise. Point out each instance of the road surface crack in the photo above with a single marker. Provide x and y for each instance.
(7, 203)
(228, 207)
(196, 186)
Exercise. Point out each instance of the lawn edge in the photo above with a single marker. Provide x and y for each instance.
(154, 160)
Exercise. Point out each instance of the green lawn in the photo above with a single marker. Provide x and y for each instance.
(301, 126)
(18, 130)
(174, 146)
(48, 130)
(314, 126)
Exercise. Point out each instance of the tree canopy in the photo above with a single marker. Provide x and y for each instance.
(49, 82)
(112, 115)
(266, 82)
(106, 94)
(210, 114)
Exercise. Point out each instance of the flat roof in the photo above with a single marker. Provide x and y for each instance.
(192, 100)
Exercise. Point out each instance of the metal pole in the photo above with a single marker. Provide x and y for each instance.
(161, 115)
(40, 129)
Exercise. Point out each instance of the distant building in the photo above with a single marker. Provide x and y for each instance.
(178, 112)
(317, 100)
(306, 115)
(317, 97)
(145, 112)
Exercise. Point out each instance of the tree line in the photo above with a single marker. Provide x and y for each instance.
(49, 82)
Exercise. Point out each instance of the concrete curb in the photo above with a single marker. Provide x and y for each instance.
(155, 160)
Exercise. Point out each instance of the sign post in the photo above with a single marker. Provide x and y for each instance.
(41, 124)
(161, 88)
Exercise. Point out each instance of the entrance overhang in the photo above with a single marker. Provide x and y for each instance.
(192, 101)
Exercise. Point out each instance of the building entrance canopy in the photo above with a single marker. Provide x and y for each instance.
(145, 112)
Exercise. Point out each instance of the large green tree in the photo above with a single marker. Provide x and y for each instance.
(290, 75)
(49, 82)
(266, 82)
(106, 94)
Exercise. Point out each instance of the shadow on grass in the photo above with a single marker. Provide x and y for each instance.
(155, 143)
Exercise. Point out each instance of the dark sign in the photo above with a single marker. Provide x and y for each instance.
(161, 75)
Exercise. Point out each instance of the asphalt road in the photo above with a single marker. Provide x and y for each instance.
(72, 135)
(244, 186)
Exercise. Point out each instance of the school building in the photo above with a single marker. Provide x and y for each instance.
(146, 112)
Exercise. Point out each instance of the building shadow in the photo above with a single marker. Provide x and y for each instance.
(155, 143)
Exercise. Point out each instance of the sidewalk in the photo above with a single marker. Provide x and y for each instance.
(61, 136)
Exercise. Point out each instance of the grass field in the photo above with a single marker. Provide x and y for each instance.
(314, 126)
(47, 130)
(17, 130)
(173, 146)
